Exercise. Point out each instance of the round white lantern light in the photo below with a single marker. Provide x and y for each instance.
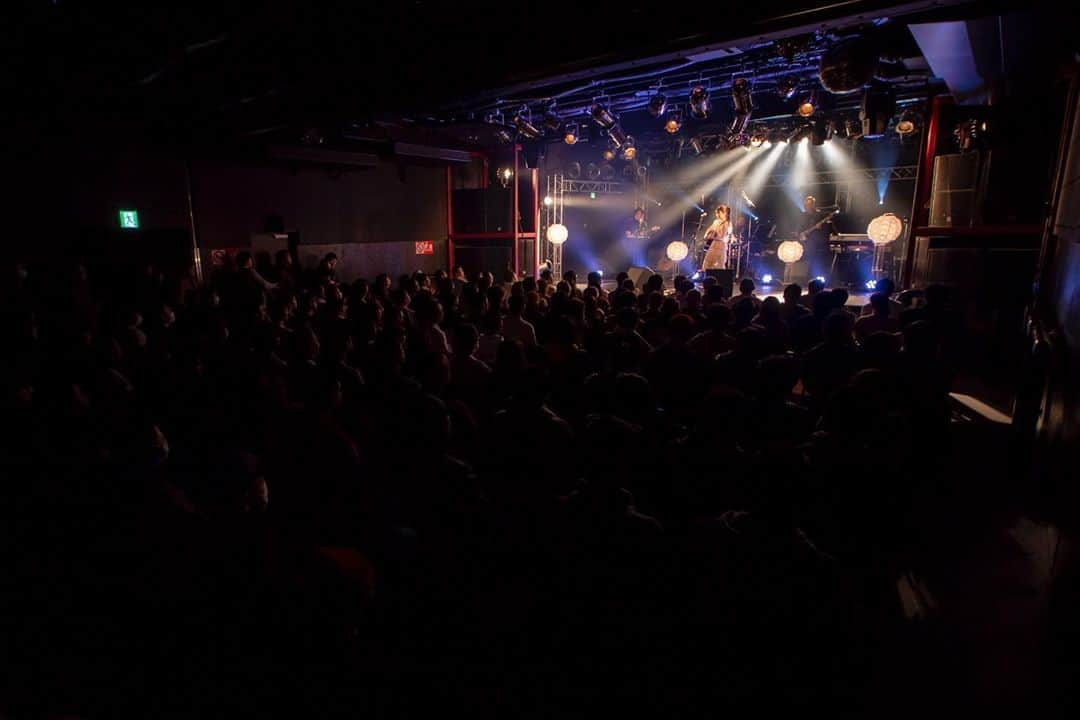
(790, 251)
(677, 251)
(557, 234)
(883, 229)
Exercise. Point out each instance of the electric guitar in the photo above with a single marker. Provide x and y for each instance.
(643, 233)
(817, 225)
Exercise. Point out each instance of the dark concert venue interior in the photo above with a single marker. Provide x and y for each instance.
(547, 360)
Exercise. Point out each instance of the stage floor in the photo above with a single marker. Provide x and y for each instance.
(856, 298)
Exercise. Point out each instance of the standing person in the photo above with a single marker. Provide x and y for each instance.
(815, 227)
(717, 236)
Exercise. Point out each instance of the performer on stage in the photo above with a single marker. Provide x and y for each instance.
(638, 228)
(717, 236)
(815, 227)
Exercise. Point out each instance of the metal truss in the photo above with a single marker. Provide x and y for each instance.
(596, 186)
(831, 177)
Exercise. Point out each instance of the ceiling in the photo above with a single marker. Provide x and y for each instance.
(235, 71)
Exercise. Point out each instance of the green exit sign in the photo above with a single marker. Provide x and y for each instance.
(129, 219)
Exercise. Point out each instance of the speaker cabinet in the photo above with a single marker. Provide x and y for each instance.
(954, 194)
(725, 280)
(639, 275)
(493, 257)
(482, 211)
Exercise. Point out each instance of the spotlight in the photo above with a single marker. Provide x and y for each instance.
(786, 87)
(571, 133)
(629, 152)
(609, 152)
(871, 284)
(600, 273)
(853, 128)
(552, 121)
(674, 121)
(808, 105)
(799, 133)
(504, 135)
(526, 128)
(618, 137)
(740, 95)
(573, 170)
(505, 175)
(548, 201)
(592, 171)
(696, 146)
(817, 134)
(766, 279)
(592, 195)
(699, 102)
(820, 278)
(602, 116)
(908, 122)
(758, 137)
(657, 105)
(878, 104)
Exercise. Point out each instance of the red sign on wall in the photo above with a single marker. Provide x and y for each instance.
(425, 247)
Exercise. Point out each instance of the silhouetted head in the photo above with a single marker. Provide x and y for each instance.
(792, 293)
(466, 340)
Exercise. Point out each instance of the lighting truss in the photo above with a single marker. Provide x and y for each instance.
(596, 186)
(829, 177)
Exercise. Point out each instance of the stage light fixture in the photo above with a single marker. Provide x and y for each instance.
(677, 251)
(789, 251)
(808, 104)
(552, 121)
(571, 133)
(557, 234)
(573, 170)
(592, 195)
(504, 136)
(699, 102)
(884, 229)
(629, 151)
(908, 122)
(766, 279)
(786, 87)
(592, 171)
(799, 133)
(757, 139)
(871, 285)
(524, 127)
(740, 95)
(657, 105)
(853, 128)
(878, 105)
(607, 172)
(548, 201)
(696, 146)
(602, 116)
(618, 137)
(820, 278)
(609, 151)
(674, 121)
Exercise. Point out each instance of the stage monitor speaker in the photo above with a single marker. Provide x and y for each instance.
(955, 190)
(725, 279)
(639, 275)
(493, 257)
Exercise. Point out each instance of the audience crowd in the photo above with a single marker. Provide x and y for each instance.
(522, 496)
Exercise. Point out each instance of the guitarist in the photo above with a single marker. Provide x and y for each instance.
(815, 227)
